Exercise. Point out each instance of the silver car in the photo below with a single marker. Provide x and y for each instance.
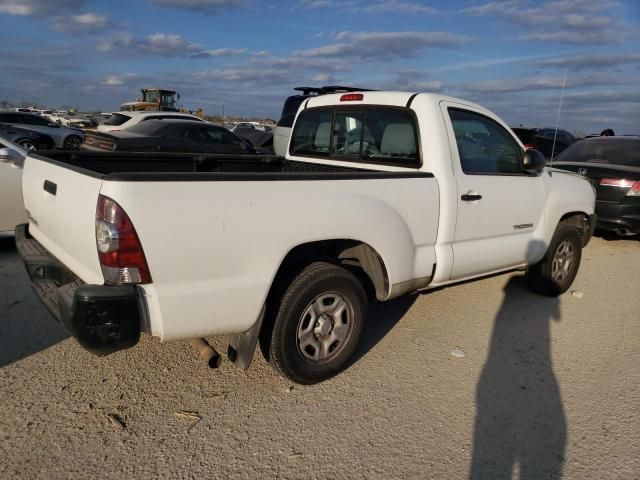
(64, 137)
(26, 138)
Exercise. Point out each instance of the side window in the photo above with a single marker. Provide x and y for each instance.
(218, 135)
(195, 134)
(9, 118)
(484, 146)
(312, 134)
(35, 120)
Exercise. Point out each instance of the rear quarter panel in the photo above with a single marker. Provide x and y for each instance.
(214, 247)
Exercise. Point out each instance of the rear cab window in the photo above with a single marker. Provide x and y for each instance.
(366, 134)
(117, 119)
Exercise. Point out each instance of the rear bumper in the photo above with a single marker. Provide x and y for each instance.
(618, 217)
(102, 318)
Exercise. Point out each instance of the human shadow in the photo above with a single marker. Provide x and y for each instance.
(25, 326)
(519, 418)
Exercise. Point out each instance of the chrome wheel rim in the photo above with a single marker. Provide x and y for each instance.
(563, 260)
(27, 145)
(72, 143)
(325, 327)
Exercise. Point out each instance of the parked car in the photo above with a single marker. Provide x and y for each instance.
(64, 137)
(282, 132)
(169, 136)
(79, 121)
(12, 212)
(262, 141)
(612, 164)
(26, 138)
(125, 120)
(381, 194)
(542, 139)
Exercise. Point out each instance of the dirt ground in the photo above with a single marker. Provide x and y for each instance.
(481, 380)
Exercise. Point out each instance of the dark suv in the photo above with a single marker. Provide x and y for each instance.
(282, 131)
(541, 139)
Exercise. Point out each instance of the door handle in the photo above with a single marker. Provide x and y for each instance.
(50, 187)
(470, 197)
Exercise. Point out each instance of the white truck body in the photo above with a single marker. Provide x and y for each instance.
(11, 206)
(215, 242)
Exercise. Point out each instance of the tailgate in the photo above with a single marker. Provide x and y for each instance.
(61, 204)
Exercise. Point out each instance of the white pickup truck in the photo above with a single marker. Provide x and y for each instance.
(380, 194)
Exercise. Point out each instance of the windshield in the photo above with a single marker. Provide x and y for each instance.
(615, 150)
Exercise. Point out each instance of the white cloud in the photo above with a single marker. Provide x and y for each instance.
(591, 61)
(201, 6)
(219, 52)
(384, 45)
(39, 7)
(163, 45)
(402, 7)
(61, 14)
(83, 23)
(113, 81)
(398, 6)
(589, 22)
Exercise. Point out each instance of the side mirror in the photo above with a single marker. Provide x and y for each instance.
(9, 155)
(533, 162)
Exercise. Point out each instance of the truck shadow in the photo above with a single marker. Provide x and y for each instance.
(520, 420)
(614, 237)
(25, 326)
(381, 318)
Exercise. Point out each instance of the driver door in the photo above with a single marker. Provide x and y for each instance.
(499, 206)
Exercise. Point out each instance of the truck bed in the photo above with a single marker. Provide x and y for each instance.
(137, 166)
(213, 250)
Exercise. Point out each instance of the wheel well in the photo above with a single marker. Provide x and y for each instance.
(358, 257)
(580, 221)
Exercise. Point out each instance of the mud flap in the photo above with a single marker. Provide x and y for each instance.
(243, 346)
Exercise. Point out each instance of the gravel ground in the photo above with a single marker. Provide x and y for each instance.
(480, 380)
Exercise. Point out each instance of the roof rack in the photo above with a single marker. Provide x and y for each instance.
(307, 91)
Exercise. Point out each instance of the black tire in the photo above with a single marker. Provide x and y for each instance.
(72, 142)
(27, 144)
(319, 282)
(552, 280)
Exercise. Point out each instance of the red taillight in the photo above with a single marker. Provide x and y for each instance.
(105, 145)
(528, 146)
(351, 97)
(633, 186)
(634, 191)
(119, 249)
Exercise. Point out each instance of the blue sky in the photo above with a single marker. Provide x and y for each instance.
(247, 55)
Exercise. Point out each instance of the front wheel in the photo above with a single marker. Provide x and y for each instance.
(554, 274)
(72, 142)
(318, 324)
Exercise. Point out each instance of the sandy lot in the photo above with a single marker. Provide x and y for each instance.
(535, 388)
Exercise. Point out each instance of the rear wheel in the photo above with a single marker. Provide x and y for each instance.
(27, 144)
(318, 324)
(554, 274)
(72, 142)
